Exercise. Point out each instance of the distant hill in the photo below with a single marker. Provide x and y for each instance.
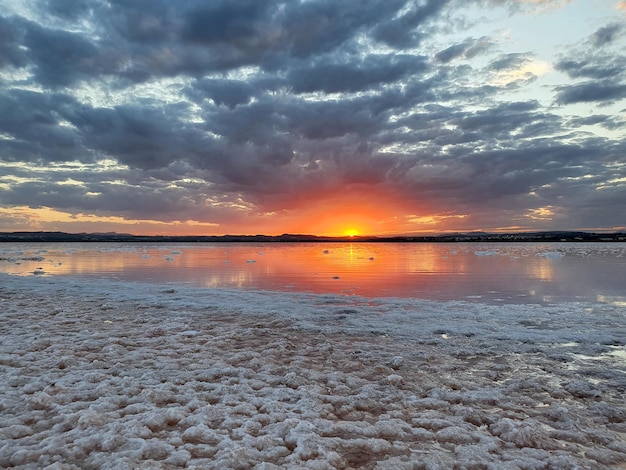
(555, 236)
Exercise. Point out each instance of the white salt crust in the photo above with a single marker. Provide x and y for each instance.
(127, 376)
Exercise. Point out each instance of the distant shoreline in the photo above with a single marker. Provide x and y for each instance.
(554, 236)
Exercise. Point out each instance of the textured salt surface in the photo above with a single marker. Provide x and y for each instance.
(116, 376)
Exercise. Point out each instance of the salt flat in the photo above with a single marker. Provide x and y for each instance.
(118, 375)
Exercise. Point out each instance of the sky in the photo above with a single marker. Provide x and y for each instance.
(328, 117)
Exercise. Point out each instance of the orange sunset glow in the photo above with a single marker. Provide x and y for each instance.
(351, 215)
(324, 218)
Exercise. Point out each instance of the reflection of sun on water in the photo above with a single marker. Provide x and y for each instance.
(542, 269)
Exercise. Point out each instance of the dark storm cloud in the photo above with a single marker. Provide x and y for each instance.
(401, 31)
(60, 58)
(223, 92)
(264, 32)
(605, 70)
(596, 67)
(504, 118)
(69, 9)
(451, 53)
(127, 199)
(509, 61)
(539, 174)
(136, 135)
(319, 27)
(227, 22)
(604, 91)
(467, 49)
(607, 34)
(10, 37)
(341, 75)
(608, 122)
(209, 106)
(33, 119)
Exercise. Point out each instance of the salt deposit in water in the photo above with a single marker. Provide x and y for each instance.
(197, 378)
(486, 252)
(551, 255)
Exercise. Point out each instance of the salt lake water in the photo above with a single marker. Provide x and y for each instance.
(489, 272)
(316, 355)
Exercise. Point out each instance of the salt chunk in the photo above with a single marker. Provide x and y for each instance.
(112, 442)
(22, 457)
(395, 379)
(605, 456)
(201, 434)
(178, 458)
(16, 431)
(156, 450)
(455, 435)
(189, 333)
(61, 466)
(396, 362)
(92, 418)
(582, 389)
(522, 434)
(292, 380)
(267, 466)
(41, 401)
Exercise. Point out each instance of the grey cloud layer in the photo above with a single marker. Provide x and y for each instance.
(605, 73)
(262, 104)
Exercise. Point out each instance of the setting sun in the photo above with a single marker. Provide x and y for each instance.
(351, 232)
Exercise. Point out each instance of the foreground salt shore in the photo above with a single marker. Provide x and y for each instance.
(112, 376)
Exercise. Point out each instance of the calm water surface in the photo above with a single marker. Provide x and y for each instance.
(494, 272)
